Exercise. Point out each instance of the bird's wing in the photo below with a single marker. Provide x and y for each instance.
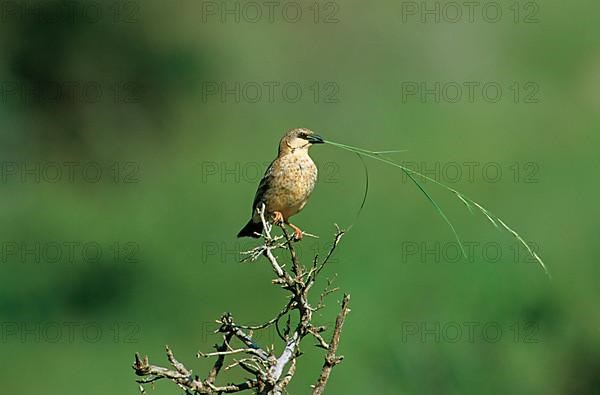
(264, 185)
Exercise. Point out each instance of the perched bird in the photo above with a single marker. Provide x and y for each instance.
(287, 183)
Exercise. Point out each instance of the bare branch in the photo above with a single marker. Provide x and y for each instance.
(290, 246)
(270, 375)
(316, 268)
(228, 389)
(331, 359)
(338, 236)
(271, 321)
(212, 375)
(290, 348)
(232, 352)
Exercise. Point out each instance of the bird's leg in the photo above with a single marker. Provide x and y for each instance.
(277, 218)
(297, 231)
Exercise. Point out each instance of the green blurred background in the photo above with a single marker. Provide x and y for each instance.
(155, 258)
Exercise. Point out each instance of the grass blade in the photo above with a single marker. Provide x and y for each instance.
(494, 219)
(364, 201)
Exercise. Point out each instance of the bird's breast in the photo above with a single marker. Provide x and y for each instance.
(295, 177)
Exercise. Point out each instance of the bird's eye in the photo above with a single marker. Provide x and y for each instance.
(303, 136)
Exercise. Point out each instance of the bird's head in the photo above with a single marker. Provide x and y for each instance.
(298, 139)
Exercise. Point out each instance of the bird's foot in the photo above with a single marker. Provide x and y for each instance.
(277, 218)
(297, 232)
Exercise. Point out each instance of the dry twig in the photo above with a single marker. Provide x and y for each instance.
(271, 373)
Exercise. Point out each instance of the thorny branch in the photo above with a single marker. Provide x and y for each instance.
(270, 373)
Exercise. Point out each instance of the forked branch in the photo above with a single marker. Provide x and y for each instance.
(271, 373)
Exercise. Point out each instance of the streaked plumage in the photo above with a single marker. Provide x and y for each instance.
(287, 183)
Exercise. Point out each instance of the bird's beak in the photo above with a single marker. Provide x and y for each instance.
(315, 139)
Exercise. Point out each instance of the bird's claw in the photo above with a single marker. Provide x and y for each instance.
(298, 234)
(277, 218)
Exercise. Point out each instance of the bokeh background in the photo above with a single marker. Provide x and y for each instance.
(133, 137)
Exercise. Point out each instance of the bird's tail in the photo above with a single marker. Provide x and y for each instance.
(251, 229)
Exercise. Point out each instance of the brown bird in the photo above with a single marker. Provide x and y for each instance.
(287, 183)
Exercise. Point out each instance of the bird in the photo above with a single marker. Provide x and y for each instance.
(287, 183)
